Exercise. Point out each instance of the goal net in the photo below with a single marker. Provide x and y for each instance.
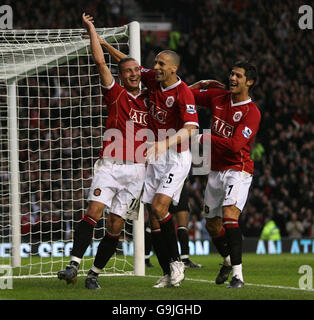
(52, 123)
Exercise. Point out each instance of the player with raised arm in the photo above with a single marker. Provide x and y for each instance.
(171, 106)
(235, 122)
(119, 173)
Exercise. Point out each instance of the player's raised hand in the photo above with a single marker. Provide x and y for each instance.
(88, 21)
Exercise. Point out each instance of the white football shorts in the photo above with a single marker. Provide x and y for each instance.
(225, 188)
(167, 175)
(116, 185)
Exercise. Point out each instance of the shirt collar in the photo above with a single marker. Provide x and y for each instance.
(240, 103)
(172, 86)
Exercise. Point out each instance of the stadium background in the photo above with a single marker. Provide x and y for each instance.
(212, 35)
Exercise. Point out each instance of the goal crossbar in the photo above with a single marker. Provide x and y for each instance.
(26, 52)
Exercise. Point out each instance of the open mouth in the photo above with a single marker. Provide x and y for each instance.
(233, 85)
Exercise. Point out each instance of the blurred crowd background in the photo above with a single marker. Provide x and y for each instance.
(210, 36)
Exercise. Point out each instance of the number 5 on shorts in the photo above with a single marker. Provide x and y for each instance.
(169, 180)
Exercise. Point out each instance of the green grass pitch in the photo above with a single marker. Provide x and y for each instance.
(267, 277)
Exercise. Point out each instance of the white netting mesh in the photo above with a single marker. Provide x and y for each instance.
(61, 121)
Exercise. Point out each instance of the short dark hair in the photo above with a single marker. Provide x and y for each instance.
(175, 57)
(122, 61)
(250, 71)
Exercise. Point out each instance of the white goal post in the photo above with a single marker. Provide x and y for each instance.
(51, 126)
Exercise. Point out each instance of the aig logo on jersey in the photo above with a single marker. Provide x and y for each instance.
(139, 117)
(190, 108)
(237, 116)
(247, 132)
(170, 102)
(222, 128)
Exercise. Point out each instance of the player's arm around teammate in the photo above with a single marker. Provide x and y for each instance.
(235, 122)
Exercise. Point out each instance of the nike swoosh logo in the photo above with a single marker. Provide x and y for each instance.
(219, 108)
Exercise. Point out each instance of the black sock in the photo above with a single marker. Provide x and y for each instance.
(221, 243)
(234, 237)
(82, 238)
(105, 250)
(169, 234)
(148, 242)
(183, 238)
(160, 248)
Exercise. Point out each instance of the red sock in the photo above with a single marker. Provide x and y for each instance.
(230, 223)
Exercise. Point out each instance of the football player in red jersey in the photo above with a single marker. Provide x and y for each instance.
(171, 107)
(235, 122)
(119, 173)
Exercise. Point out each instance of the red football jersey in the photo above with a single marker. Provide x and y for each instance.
(234, 126)
(169, 108)
(127, 114)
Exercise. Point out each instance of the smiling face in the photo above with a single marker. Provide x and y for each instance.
(238, 83)
(130, 75)
(165, 69)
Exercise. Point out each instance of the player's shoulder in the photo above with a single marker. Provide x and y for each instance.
(254, 108)
(113, 86)
(183, 87)
(113, 91)
(182, 84)
(253, 112)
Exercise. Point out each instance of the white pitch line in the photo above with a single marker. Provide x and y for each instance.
(256, 285)
(248, 284)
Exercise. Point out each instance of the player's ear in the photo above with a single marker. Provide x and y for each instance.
(250, 83)
(174, 68)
